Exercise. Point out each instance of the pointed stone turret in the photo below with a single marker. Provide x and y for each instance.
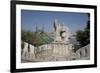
(42, 28)
(36, 28)
(55, 24)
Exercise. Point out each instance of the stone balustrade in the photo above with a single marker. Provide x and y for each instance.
(53, 52)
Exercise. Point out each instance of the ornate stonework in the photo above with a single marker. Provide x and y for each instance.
(59, 49)
(61, 32)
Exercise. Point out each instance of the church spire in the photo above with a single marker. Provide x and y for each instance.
(55, 21)
(36, 27)
(62, 23)
(55, 24)
(42, 27)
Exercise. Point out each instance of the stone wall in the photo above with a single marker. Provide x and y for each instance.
(54, 52)
(28, 52)
(84, 52)
(47, 52)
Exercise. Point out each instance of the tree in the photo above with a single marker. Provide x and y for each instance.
(35, 38)
(27, 36)
(84, 36)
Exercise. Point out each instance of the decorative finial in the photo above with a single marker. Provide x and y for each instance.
(43, 27)
(55, 24)
(36, 28)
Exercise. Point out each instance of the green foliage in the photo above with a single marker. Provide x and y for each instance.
(35, 38)
(27, 36)
(84, 36)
